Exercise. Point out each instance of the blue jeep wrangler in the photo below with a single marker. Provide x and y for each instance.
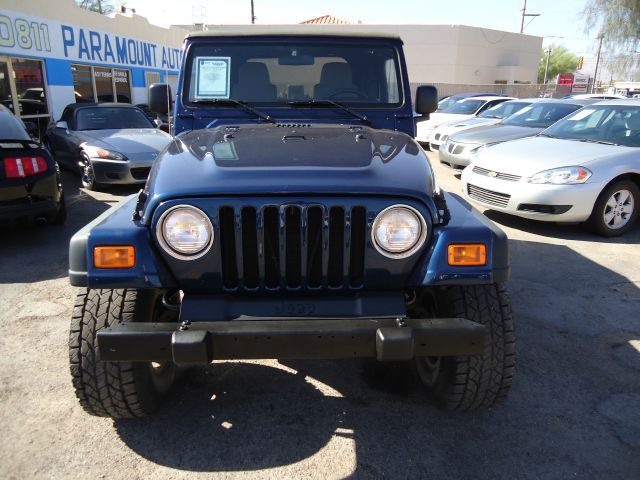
(292, 216)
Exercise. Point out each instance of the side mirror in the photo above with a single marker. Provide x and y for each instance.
(426, 99)
(159, 98)
(62, 125)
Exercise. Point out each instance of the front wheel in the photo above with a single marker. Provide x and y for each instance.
(471, 382)
(87, 176)
(115, 389)
(616, 209)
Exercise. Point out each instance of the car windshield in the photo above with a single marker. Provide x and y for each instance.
(106, 118)
(618, 124)
(503, 110)
(11, 128)
(540, 115)
(277, 74)
(467, 106)
(448, 102)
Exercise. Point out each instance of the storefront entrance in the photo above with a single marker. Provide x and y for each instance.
(23, 91)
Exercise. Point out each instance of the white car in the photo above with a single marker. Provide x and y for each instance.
(489, 116)
(462, 109)
(584, 168)
(603, 96)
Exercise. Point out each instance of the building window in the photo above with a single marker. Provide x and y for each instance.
(122, 83)
(104, 84)
(99, 84)
(82, 83)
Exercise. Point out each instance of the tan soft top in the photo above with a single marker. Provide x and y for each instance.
(293, 30)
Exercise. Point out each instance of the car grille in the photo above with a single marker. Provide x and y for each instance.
(292, 246)
(487, 196)
(491, 173)
(140, 173)
(455, 148)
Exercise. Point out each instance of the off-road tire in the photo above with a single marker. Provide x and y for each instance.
(596, 222)
(473, 382)
(114, 389)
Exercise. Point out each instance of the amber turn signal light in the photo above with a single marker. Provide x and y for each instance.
(114, 256)
(465, 255)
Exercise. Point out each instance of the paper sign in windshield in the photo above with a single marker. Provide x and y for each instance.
(212, 77)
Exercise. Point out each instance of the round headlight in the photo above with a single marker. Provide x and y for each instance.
(399, 231)
(185, 232)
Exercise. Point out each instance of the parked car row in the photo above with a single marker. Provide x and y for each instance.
(571, 160)
(107, 143)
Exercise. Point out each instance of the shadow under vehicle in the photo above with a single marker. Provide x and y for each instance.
(292, 216)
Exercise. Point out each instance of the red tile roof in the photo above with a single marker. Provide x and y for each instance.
(326, 20)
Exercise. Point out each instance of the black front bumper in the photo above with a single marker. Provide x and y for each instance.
(203, 342)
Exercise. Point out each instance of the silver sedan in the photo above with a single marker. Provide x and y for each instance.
(584, 168)
(108, 143)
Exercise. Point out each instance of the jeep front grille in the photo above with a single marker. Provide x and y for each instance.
(291, 246)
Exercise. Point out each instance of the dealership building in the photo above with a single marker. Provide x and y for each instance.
(53, 53)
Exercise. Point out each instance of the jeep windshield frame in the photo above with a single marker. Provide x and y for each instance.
(271, 73)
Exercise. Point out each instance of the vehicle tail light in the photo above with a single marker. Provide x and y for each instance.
(467, 254)
(21, 167)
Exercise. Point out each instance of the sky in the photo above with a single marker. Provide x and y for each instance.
(558, 18)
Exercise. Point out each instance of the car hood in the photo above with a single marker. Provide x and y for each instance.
(494, 134)
(127, 141)
(528, 156)
(291, 160)
(458, 125)
(440, 118)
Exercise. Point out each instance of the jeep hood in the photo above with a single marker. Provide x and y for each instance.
(291, 159)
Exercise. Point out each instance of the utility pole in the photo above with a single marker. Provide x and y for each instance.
(253, 15)
(595, 74)
(525, 14)
(546, 68)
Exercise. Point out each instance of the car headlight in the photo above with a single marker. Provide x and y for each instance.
(399, 231)
(561, 176)
(185, 232)
(103, 153)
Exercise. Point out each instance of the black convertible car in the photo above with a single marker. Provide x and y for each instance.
(30, 186)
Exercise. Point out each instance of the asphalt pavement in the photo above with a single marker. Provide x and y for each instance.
(573, 412)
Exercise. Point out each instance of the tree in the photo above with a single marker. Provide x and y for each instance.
(618, 22)
(561, 61)
(103, 7)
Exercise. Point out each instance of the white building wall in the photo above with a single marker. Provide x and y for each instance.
(456, 54)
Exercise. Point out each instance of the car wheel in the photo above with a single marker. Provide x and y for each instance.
(471, 382)
(116, 389)
(616, 209)
(87, 176)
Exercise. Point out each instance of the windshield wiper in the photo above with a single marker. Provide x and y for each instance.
(323, 103)
(589, 140)
(236, 103)
(546, 135)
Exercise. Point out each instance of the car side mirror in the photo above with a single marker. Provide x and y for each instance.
(62, 124)
(426, 99)
(159, 98)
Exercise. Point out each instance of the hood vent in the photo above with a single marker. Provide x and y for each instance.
(293, 125)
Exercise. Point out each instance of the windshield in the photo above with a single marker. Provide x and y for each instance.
(448, 102)
(465, 107)
(540, 115)
(104, 118)
(619, 124)
(275, 74)
(12, 128)
(503, 110)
